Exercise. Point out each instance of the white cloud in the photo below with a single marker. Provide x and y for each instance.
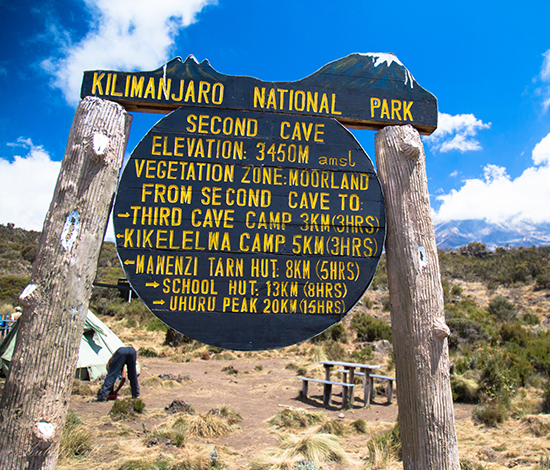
(544, 77)
(123, 35)
(498, 198)
(26, 186)
(545, 70)
(456, 133)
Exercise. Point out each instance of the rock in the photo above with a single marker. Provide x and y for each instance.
(153, 442)
(179, 406)
(488, 454)
(382, 347)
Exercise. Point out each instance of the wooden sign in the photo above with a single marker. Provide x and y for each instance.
(249, 230)
(365, 91)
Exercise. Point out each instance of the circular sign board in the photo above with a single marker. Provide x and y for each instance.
(249, 230)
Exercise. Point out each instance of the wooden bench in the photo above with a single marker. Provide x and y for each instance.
(389, 388)
(327, 390)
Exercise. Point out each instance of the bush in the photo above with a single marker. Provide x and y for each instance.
(174, 338)
(542, 281)
(465, 387)
(456, 290)
(334, 351)
(289, 418)
(530, 319)
(156, 325)
(147, 352)
(11, 287)
(369, 328)
(502, 309)
(364, 355)
(491, 413)
(546, 402)
(466, 331)
(336, 332)
(127, 408)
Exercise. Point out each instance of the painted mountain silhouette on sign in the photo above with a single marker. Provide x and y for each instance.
(367, 91)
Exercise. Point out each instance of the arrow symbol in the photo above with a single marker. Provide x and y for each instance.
(119, 235)
(129, 261)
(158, 302)
(152, 284)
(125, 216)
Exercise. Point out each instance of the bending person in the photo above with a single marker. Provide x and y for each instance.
(125, 356)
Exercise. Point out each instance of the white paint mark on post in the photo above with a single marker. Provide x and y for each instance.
(423, 257)
(27, 291)
(100, 143)
(70, 230)
(46, 429)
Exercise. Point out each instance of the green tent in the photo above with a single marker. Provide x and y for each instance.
(97, 345)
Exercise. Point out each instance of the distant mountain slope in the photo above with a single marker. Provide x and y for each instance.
(458, 233)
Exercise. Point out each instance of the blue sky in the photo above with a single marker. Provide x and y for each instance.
(488, 64)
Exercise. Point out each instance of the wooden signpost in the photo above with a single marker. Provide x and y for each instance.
(364, 91)
(249, 230)
(248, 218)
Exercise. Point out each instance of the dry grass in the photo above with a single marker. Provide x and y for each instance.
(321, 449)
(296, 418)
(517, 443)
(156, 382)
(218, 422)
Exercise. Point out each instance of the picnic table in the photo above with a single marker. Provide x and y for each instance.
(350, 367)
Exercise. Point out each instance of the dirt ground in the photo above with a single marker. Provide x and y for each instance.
(257, 388)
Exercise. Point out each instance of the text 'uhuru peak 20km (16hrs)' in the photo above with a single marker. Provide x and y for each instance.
(249, 230)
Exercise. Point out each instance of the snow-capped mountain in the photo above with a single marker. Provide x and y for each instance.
(458, 233)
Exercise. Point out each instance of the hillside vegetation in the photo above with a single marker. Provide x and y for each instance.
(496, 305)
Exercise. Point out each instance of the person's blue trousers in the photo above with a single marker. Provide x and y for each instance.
(122, 357)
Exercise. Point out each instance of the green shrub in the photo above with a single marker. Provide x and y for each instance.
(156, 325)
(474, 249)
(29, 252)
(336, 332)
(530, 319)
(364, 355)
(174, 338)
(367, 302)
(546, 397)
(491, 413)
(456, 290)
(126, 409)
(369, 328)
(542, 281)
(502, 309)
(466, 331)
(296, 418)
(147, 352)
(514, 333)
(11, 287)
(466, 387)
(446, 291)
(334, 351)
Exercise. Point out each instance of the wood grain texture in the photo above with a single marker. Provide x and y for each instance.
(37, 390)
(426, 414)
